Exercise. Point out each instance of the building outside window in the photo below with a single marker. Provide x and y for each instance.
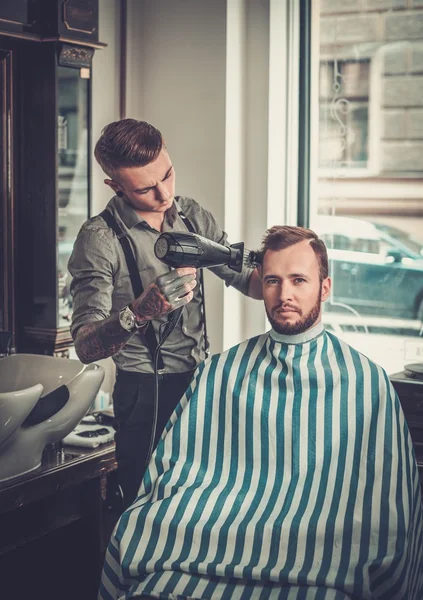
(344, 109)
(367, 159)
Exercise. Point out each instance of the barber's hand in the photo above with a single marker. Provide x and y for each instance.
(168, 292)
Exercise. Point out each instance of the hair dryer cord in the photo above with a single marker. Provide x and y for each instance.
(165, 330)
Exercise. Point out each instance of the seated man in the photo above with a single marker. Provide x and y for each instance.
(286, 471)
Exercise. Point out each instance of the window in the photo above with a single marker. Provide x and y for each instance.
(344, 114)
(366, 199)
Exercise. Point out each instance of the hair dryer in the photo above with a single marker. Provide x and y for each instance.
(180, 249)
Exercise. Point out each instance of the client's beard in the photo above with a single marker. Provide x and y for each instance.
(304, 322)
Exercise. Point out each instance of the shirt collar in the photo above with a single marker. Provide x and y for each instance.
(299, 338)
(125, 212)
(130, 217)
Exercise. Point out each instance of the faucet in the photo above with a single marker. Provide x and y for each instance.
(6, 348)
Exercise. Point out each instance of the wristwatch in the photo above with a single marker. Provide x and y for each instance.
(128, 319)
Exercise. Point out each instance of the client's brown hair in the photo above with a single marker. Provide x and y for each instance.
(284, 236)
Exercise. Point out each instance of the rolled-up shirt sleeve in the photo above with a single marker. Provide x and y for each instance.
(91, 267)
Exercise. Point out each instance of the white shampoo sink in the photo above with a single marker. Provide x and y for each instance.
(42, 398)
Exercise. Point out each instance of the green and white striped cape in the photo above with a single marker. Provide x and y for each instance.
(287, 471)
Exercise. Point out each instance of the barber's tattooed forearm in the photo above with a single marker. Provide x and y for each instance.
(105, 338)
(100, 339)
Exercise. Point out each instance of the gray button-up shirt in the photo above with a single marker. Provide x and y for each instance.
(101, 285)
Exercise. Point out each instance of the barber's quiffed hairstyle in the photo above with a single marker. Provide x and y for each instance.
(284, 236)
(127, 143)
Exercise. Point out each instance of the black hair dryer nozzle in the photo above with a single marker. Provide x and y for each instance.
(179, 249)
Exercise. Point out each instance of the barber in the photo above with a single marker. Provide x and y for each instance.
(123, 295)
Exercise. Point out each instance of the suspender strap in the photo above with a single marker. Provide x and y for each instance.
(136, 282)
(191, 229)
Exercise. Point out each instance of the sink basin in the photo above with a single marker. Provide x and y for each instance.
(42, 398)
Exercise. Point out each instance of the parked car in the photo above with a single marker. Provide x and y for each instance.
(410, 245)
(373, 271)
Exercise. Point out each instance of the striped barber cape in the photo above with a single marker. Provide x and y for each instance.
(286, 472)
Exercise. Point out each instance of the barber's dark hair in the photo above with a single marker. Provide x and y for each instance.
(284, 236)
(127, 143)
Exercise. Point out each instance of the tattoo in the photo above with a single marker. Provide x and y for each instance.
(152, 304)
(101, 339)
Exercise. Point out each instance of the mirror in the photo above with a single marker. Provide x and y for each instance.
(72, 129)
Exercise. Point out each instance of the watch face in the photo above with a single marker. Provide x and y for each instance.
(127, 319)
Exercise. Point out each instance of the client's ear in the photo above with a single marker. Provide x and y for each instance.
(326, 288)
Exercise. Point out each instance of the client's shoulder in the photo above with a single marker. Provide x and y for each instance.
(352, 355)
(241, 350)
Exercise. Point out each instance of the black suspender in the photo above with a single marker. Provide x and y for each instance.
(129, 255)
(136, 282)
(137, 286)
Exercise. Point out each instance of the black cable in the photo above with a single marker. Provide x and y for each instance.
(165, 330)
(203, 301)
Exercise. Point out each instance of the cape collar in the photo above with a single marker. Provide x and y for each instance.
(299, 338)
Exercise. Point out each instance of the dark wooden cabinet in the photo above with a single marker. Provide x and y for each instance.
(69, 20)
(7, 191)
(55, 193)
(19, 16)
(45, 78)
(57, 522)
(74, 19)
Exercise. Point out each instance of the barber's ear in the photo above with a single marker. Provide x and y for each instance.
(326, 288)
(112, 184)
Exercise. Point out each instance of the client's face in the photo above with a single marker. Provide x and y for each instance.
(292, 291)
